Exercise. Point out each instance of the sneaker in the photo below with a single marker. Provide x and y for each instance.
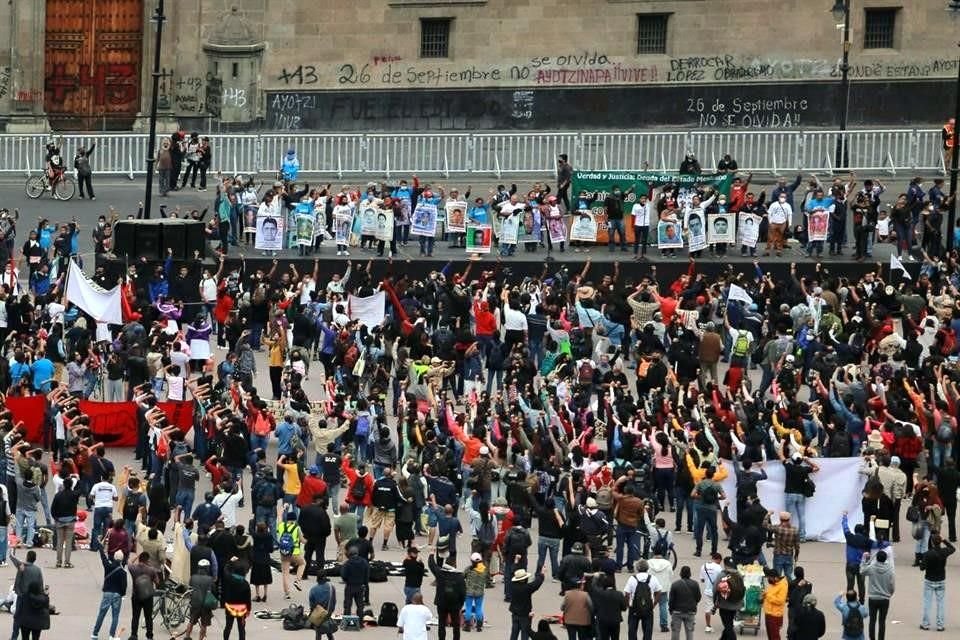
(93, 197)
(297, 585)
(910, 258)
(286, 596)
(346, 253)
(708, 629)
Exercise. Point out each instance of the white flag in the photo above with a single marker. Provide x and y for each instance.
(739, 293)
(895, 264)
(370, 310)
(103, 305)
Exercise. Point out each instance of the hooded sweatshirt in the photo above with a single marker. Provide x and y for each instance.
(882, 581)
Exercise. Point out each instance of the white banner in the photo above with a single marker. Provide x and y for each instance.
(102, 305)
(739, 293)
(370, 310)
(839, 486)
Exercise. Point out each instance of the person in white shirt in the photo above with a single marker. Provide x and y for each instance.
(642, 212)
(413, 619)
(227, 501)
(709, 573)
(780, 218)
(104, 496)
(656, 592)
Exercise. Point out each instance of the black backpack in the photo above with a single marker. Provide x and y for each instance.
(853, 624)
(487, 533)
(388, 615)
(294, 618)
(660, 547)
(379, 571)
(359, 489)
(710, 495)
(131, 507)
(642, 604)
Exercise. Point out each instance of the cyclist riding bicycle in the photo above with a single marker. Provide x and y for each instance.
(55, 166)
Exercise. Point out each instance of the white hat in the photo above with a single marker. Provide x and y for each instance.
(476, 557)
(203, 563)
(790, 357)
(591, 503)
(484, 450)
(520, 575)
(118, 555)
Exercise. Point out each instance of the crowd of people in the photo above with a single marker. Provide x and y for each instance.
(585, 416)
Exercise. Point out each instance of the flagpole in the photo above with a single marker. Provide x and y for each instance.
(66, 278)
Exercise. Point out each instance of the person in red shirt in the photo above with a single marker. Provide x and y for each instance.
(360, 474)
(311, 486)
(738, 193)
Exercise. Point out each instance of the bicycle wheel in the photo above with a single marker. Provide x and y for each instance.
(35, 187)
(65, 188)
(176, 612)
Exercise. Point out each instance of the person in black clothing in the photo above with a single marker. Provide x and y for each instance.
(521, 603)
(386, 499)
(609, 603)
(564, 176)
(315, 525)
(81, 162)
(797, 590)
(206, 158)
(450, 596)
(948, 478)
(809, 623)
(684, 598)
(413, 572)
(934, 579)
(613, 204)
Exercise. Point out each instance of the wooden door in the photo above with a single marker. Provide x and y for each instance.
(92, 68)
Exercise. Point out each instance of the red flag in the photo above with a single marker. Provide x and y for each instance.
(28, 410)
(179, 413)
(113, 423)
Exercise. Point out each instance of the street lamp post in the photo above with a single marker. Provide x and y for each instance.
(954, 9)
(841, 11)
(159, 19)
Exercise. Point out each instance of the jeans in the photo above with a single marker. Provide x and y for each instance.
(408, 593)
(3, 543)
(706, 516)
(259, 442)
(614, 331)
(689, 622)
(616, 226)
(663, 482)
(473, 610)
(941, 451)
(664, 606)
(145, 607)
(683, 501)
(548, 546)
(631, 538)
(352, 594)
(578, 632)
(101, 520)
(878, 615)
(184, 500)
(921, 545)
(645, 625)
(795, 503)
(519, 627)
(815, 245)
(26, 526)
(933, 589)
(109, 602)
(783, 562)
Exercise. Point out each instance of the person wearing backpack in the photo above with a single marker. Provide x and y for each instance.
(707, 495)
(289, 539)
(728, 594)
(359, 486)
(608, 606)
(642, 593)
(145, 579)
(516, 544)
(852, 615)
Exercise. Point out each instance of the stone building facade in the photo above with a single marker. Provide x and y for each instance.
(369, 65)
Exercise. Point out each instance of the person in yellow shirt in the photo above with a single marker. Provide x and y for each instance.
(774, 603)
(291, 478)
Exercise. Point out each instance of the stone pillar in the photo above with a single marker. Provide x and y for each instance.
(27, 48)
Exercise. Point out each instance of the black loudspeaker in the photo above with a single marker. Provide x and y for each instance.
(151, 238)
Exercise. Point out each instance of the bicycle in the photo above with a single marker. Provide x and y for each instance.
(172, 603)
(64, 189)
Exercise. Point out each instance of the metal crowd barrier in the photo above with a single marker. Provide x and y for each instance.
(497, 154)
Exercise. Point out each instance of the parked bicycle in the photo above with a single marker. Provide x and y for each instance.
(63, 189)
(172, 603)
